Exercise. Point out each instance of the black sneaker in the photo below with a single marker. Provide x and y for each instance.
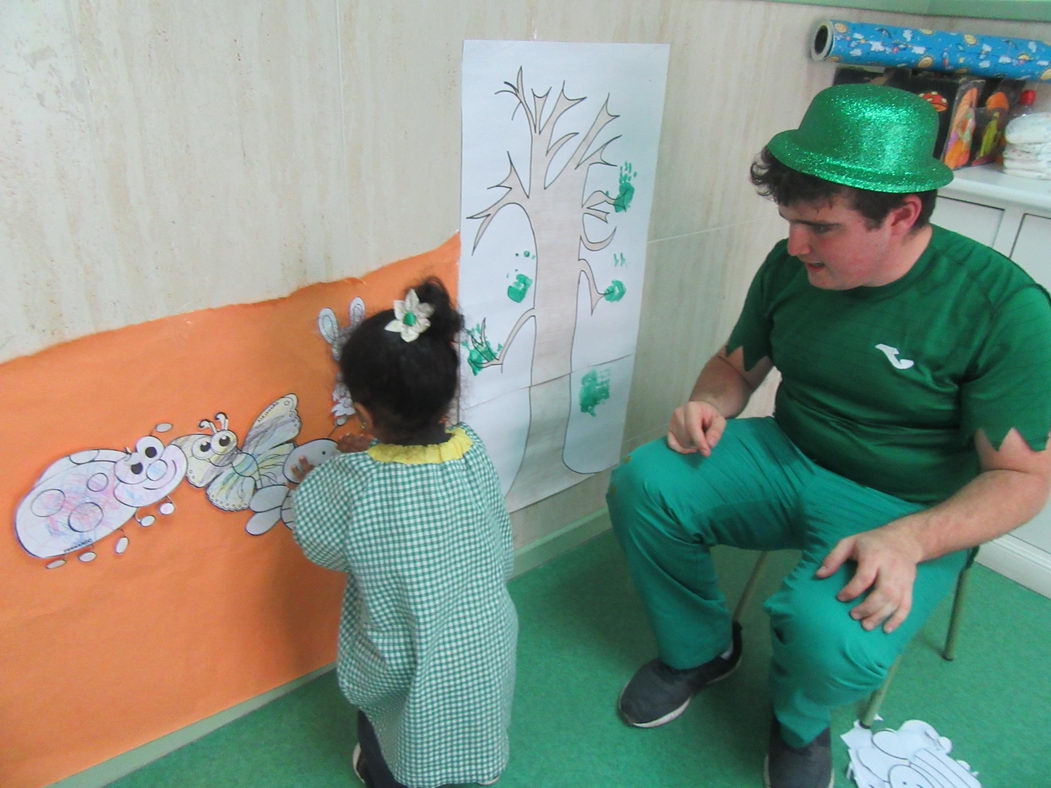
(798, 767)
(657, 693)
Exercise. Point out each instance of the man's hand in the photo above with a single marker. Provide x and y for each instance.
(696, 426)
(886, 561)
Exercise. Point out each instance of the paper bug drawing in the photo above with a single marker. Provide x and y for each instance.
(328, 325)
(233, 472)
(89, 494)
(272, 504)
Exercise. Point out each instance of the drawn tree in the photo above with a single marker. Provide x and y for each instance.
(554, 200)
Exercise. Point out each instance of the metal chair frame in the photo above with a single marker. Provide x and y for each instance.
(876, 699)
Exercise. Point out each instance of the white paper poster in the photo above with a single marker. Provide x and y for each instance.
(559, 156)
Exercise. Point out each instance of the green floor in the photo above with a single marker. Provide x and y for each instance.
(582, 636)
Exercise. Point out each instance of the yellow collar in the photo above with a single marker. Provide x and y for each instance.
(453, 449)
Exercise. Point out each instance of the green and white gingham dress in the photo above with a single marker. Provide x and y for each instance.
(428, 630)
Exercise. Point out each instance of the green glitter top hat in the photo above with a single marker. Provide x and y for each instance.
(868, 136)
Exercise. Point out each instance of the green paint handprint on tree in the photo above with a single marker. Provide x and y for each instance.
(615, 291)
(594, 390)
(627, 190)
(480, 351)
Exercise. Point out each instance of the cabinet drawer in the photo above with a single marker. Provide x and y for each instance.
(980, 222)
(1032, 248)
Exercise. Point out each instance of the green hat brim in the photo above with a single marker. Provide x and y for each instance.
(785, 149)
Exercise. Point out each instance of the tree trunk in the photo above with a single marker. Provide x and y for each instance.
(557, 233)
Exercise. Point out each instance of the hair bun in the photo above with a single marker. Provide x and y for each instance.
(446, 321)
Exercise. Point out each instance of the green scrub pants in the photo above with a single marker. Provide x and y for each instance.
(758, 491)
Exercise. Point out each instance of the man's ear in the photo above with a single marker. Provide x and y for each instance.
(903, 219)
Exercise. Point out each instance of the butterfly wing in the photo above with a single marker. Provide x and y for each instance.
(271, 464)
(279, 423)
(269, 440)
(234, 488)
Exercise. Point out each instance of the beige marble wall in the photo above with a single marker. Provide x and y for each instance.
(160, 157)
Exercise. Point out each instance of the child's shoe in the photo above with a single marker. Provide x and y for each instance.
(355, 760)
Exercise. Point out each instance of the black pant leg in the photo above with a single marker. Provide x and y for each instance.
(374, 768)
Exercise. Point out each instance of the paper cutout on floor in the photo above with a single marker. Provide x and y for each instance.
(914, 756)
(567, 134)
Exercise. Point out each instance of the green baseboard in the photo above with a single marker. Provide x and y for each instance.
(528, 557)
(561, 541)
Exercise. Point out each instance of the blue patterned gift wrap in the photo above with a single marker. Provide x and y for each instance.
(868, 44)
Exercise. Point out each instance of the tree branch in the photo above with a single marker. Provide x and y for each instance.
(602, 119)
(593, 291)
(596, 246)
(499, 360)
(515, 194)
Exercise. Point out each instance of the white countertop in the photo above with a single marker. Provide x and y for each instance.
(989, 181)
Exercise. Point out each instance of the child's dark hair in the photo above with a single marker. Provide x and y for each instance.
(406, 386)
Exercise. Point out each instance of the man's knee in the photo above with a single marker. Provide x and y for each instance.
(825, 650)
(635, 485)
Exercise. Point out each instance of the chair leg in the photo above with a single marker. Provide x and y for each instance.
(749, 587)
(876, 699)
(949, 652)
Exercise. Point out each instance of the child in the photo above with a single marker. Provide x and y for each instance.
(419, 524)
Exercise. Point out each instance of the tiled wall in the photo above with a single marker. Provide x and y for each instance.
(160, 157)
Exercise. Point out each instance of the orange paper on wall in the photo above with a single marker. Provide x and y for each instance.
(196, 614)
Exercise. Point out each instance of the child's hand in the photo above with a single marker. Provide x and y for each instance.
(301, 469)
(354, 441)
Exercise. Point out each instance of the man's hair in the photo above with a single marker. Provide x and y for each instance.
(787, 186)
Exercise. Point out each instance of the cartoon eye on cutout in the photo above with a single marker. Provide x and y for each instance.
(209, 447)
(224, 441)
(202, 449)
(131, 469)
(149, 448)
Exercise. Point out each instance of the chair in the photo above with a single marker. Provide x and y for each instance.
(876, 699)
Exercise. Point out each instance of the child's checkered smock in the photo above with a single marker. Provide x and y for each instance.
(427, 634)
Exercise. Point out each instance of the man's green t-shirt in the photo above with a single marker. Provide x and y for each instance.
(887, 385)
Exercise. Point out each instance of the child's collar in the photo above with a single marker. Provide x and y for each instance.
(453, 449)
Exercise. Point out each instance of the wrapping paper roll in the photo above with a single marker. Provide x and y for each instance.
(867, 44)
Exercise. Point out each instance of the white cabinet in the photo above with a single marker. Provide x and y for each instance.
(1032, 249)
(1012, 215)
(979, 222)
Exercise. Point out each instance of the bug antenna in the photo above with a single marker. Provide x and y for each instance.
(222, 419)
(205, 423)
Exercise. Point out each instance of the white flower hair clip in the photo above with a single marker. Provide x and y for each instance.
(410, 317)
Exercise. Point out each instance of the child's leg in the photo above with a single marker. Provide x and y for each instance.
(373, 768)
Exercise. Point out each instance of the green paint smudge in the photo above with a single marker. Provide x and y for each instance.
(517, 290)
(627, 190)
(615, 291)
(594, 390)
(479, 350)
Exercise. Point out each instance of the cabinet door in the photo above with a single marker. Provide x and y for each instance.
(1032, 248)
(1032, 251)
(980, 222)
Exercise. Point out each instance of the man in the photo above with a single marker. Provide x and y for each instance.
(910, 425)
